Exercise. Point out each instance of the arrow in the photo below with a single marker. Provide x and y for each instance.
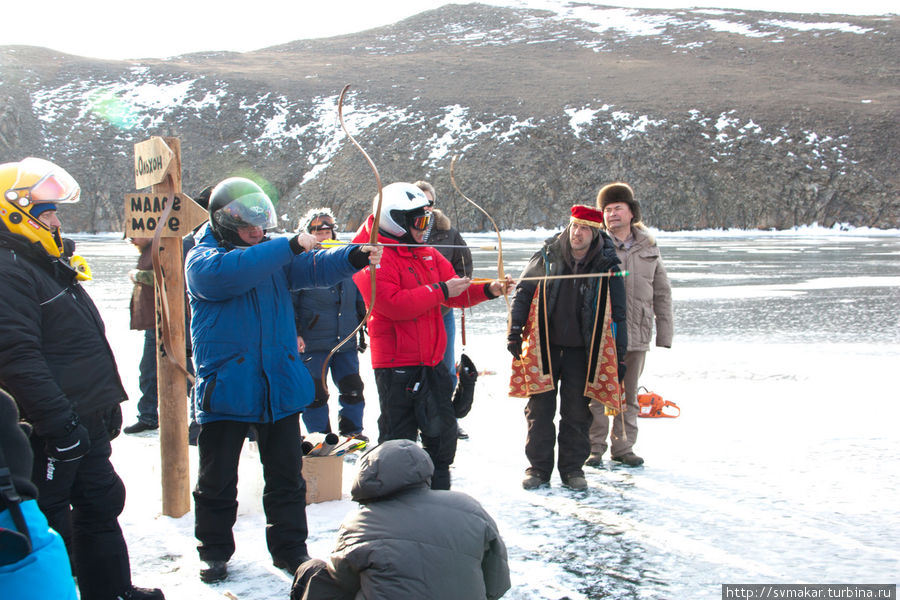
(333, 243)
(477, 280)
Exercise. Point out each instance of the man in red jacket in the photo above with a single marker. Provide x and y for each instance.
(406, 328)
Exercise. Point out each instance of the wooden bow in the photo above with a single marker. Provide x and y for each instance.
(500, 273)
(373, 236)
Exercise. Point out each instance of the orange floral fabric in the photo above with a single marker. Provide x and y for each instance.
(531, 374)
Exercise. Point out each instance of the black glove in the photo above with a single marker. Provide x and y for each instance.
(71, 443)
(112, 419)
(362, 345)
(622, 370)
(294, 243)
(514, 341)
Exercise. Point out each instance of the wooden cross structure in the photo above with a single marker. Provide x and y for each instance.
(167, 215)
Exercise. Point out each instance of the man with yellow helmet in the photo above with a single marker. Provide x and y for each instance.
(57, 364)
(31, 188)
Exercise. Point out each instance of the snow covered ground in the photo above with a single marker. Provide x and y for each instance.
(781, 469)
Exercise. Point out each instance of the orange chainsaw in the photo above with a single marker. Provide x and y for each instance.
(652, 405)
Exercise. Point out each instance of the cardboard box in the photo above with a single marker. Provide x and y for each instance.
(324, 477)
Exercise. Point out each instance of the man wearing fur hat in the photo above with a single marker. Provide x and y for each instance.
(567, 334)
(648, 295)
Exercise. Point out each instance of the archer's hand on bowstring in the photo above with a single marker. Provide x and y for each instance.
(501, 288)
(374, 253)
(457, 286)
(304, 241)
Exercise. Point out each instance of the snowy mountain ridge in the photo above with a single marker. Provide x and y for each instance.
(794, 115)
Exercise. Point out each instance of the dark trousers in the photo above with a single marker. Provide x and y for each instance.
(82, 500)
(284, 494)
(398, 416)
(149, 401)
(569, 374)
(344, 367)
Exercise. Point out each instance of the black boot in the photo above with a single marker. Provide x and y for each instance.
(213, 571)
(138, 593)
(290, 564)
(630, 459)
(140, 427)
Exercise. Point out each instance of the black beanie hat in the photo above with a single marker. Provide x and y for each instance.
(16, 450)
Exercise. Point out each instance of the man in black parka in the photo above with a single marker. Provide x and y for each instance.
(563, 309)
(56, 362)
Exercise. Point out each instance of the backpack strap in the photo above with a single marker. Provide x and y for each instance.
(12, 499)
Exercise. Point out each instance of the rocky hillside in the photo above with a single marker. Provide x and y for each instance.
(718, 118)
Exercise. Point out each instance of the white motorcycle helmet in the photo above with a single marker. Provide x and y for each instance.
(402, 207)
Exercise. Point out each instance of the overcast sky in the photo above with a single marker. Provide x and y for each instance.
(160, 28)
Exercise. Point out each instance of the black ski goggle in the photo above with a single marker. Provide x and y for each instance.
(323, 227)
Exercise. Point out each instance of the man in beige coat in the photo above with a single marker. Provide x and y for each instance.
(648, 296)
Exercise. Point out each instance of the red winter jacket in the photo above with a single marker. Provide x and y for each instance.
(406, 327)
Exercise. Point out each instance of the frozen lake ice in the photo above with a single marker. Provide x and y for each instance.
(783, 467)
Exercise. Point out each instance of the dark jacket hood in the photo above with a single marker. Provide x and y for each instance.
(389, 468)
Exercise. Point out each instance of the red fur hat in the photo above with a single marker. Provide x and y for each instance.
(587, 215)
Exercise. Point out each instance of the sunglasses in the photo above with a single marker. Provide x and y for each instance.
(420, 222)
(323, 227)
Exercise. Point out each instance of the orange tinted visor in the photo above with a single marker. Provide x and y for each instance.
(420, 222)
(53, 188)
(56, 185)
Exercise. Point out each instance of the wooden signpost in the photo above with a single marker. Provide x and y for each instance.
(143, 213)
(157, 163)
(152, 159)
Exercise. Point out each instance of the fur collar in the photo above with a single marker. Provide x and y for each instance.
(441, 221)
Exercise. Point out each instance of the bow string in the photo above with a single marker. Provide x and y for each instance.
(500, 273)
(373, 235)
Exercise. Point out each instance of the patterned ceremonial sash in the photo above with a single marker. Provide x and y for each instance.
(603, 384)
(529, 377)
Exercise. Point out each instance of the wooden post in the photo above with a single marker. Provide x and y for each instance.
(167, 215)
(171, 382)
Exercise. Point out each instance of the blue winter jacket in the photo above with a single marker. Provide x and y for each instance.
(242, 325)
(324, 317)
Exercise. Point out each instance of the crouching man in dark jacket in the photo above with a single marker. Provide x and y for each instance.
(407, 540)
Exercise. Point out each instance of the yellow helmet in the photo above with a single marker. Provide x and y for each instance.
(82, 269)
(29, 187)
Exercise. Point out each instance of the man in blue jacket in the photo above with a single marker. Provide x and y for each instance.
(247, 365)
